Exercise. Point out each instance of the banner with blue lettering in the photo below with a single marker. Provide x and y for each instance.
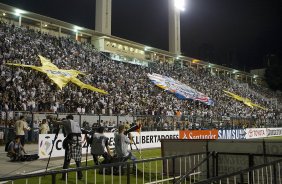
(232, 134)
(182, 91)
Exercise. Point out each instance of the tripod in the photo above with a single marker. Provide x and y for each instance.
(53, 143)
(87, 145)
(138, 150)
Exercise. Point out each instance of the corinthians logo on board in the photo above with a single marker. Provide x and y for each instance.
(45, 146)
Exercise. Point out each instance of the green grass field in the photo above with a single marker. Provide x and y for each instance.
(92, 176)
(276, 137)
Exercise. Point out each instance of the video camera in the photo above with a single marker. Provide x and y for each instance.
(52, 118)
(131, 129)
(87, 131)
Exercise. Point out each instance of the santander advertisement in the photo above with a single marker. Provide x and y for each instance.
(198, 134)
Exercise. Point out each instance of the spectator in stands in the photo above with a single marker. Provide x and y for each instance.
(130, 91)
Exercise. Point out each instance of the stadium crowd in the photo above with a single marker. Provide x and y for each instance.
(130, 90)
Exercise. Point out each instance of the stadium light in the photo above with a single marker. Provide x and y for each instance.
(4, 14)
(76, 29)
(147, 48)
(18, 12)
(179, 4)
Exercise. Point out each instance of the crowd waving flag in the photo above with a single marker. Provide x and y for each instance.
(182, 91)
(246, 101)
(59, 76)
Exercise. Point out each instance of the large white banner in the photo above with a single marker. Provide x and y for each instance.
(181, 90)
(145, 140)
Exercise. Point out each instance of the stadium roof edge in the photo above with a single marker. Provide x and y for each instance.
(43, 18)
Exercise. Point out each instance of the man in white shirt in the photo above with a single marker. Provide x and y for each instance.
(21, 126)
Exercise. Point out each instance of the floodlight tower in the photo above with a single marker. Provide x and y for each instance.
(103, 20)
(175, 7)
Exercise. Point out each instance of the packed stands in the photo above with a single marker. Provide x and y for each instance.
(130, 90)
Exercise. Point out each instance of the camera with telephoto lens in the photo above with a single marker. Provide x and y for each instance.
(131, 129)
(52, 118)
(86, 131)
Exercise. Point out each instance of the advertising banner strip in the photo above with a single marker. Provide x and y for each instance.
(152, 139)
(146, 139)
(198, 134)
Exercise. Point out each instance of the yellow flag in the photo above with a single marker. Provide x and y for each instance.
(246, 101)
(59, 76)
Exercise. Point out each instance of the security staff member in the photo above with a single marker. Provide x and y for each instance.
(98, 144)
(72, 143)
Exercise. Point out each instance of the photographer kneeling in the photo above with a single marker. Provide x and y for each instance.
(16, 150)
(121, 145)
(98, 144)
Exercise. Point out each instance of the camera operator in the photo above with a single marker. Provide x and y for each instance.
(16, 150)
(72, 143)
(98, 144)
(121, 145)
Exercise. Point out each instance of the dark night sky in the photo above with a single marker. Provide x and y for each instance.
(235, 33)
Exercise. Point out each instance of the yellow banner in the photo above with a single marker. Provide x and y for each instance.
(59, 76)
(246, 101)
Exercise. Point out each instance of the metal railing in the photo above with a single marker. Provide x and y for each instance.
(257, 169)
(192, 172)
(149, 171)
(265, 173)
(157, 122)
(195, 168)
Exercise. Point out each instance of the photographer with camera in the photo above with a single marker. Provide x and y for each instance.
(72, 143)
(98, 144)
(16, 150)
(121, 145)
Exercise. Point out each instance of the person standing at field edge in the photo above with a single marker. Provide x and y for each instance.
(21, 126)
